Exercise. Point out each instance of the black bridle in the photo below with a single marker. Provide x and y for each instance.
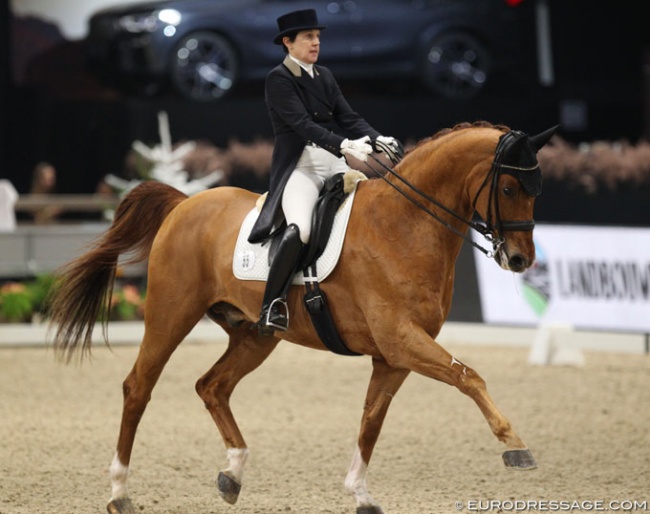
(491, 230)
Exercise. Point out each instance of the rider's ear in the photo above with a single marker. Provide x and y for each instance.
(543, 137)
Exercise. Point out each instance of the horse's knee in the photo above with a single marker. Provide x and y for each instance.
(475, 387)
(470, 382)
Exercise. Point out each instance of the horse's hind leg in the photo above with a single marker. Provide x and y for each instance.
(158, 343)
(384, 384)
(246, 351)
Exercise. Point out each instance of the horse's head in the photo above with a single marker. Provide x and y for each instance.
(507, 196)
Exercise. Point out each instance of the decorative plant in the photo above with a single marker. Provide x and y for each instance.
(127, 304)
(39, 289)
(164, 163)
(20, 301)
(600, 165)
(15, 303)
(23, 302)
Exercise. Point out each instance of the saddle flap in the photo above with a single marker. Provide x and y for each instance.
(331, 197)
(250, 260)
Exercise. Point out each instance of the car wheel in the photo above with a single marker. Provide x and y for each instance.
(456, 65)
(204, 66)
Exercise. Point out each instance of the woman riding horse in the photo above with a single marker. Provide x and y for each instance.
(312, 122)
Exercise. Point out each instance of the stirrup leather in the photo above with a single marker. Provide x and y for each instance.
(278, 303)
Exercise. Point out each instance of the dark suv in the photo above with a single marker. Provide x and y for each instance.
(204, 48)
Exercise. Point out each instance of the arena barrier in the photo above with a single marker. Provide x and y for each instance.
(586, 278)
(588, 289)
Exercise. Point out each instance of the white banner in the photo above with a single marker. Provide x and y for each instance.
(590, 277)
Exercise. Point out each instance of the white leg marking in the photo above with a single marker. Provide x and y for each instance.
(236, 460)
(355, 481)
(118, 473)
(455, 361)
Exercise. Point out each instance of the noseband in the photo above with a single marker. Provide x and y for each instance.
(493, 228)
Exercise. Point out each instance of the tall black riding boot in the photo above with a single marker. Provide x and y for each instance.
(275, 314)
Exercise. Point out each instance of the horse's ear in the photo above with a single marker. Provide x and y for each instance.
(543, 137)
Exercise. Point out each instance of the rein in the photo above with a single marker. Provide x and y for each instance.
(491, 233)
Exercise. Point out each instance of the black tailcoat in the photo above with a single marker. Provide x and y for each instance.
(303, 110)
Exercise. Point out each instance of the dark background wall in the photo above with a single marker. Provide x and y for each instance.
(5, 85)
(601, 91)
(56, 112)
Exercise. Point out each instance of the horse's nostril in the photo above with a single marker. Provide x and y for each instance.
(517, 262)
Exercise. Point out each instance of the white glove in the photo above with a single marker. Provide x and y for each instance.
(357, 148)
(389, 141)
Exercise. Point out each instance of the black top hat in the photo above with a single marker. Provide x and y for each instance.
(296, 21)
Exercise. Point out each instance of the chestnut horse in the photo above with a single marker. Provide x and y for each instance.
(389, 294)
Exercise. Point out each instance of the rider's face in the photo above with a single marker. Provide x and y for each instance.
(305, 46)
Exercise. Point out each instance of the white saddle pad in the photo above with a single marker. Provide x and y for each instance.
(251, 261)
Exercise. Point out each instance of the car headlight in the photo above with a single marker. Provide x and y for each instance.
(170, 16)
(150, 21)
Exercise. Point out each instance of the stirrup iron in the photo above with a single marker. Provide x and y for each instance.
(278, 303)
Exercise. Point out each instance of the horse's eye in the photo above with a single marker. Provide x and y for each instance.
(508, 191)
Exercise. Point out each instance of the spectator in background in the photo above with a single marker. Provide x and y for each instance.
(8, 198)
(44, 183)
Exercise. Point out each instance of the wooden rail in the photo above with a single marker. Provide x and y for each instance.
(70, 203)
(33, 249)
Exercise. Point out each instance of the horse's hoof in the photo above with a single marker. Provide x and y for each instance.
(372, 509)
(228, 488)
(120, 506)
(519, 459)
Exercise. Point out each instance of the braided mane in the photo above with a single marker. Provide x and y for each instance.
(459, 126)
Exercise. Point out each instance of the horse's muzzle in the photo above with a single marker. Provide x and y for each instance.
(518, 263)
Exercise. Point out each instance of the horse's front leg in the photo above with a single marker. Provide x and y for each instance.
(420, 353)
(384, 383)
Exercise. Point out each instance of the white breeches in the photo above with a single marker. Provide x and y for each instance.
(300, 194)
